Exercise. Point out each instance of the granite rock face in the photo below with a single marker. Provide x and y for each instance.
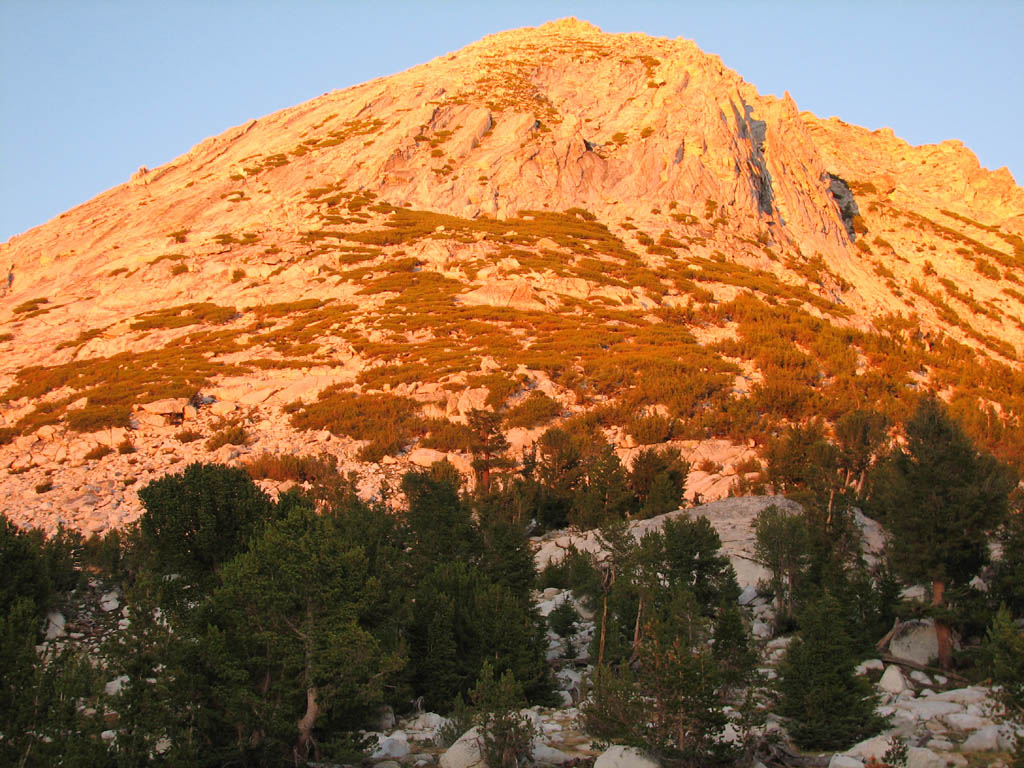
(216, 260)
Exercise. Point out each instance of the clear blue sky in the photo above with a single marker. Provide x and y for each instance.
(92, 89)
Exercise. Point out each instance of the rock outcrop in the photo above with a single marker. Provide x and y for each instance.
(528, 204)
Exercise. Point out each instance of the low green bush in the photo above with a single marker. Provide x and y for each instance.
(98, 452)
(388, 422)
(301, 469)
(188, 436)
(93, 418)
(233, 435)
(535, 410)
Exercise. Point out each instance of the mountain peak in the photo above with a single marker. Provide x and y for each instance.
(612, 221)
(570, 25)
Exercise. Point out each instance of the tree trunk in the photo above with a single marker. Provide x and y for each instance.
(789, 595)
(942, 632)
(637, 635)
(607, 581)
(604, 622)
(305, 725)
(306, 744)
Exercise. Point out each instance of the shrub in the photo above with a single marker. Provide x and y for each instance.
(126, 446)
(499, 388)
(651, 429)
(709, 466)
(188, 314)
(98, 452)
(44, 486)
(32, 305)
(179, 269)
(535, 410)
(188, 436)
(447, 436)
(386, 421)
(301, 469)
(93, 418)
(234, 435)
(237, 274)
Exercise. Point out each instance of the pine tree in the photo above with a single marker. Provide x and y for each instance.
(197, 520)
(558, 474)
(781, 546)
(1004, 649)
(291, 617)
(658, 480)
(489, 445)
(940, 499)
(828, 706)
(861, 434)
(603, 493)
(1008, 575)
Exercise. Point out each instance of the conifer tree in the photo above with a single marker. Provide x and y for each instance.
(829, 707)
(781, 546)
(658, 479)
(292, 611)
(558, 474)
(861, 434)
(489, 445)
(197, 520)
(603, 493)
(940, 500)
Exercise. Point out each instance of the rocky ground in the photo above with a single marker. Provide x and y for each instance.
(54, 477)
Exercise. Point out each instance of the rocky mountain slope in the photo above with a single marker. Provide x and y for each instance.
(549, 222)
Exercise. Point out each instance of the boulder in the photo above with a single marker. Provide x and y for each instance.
(920, 677)
(624, 757)
(748, 595)
(55, 625)
(110, 601)
(113, 687)
(961, 721)
(915, 641)
(465, 752)
(545, 755)
(425, 457)
(844, 761)
(396, 745)
(426, 721)
(222, 408)
(921, 757)
(171, 406)
(892, 680)
(962, 695)
(876, 746)
(982, 740)
(928, 709)
(871, 665)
